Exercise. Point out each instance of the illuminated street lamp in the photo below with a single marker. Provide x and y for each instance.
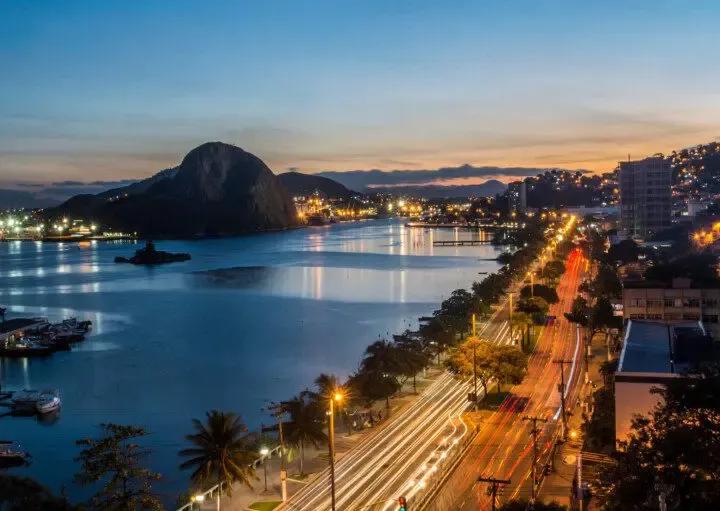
(199, 499)
(337, 397)
(264, 452)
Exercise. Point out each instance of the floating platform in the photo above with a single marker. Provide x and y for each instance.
(460, 243)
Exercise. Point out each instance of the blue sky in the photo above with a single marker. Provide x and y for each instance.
(109, 90)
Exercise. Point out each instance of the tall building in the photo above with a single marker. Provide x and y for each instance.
(517, 195)
(645, 193)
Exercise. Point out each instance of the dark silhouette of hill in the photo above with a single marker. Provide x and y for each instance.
(141, 186)
(306, 184)
(14, 199)
(486, 189)
(218, 189)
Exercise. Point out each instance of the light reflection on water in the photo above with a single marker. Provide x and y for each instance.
(172, 342)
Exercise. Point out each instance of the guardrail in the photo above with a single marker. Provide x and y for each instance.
(216, 491)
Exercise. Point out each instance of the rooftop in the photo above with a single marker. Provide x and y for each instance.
(652, 347)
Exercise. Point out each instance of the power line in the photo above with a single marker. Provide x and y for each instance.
(494, 487)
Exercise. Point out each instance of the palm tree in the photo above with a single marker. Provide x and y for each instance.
(416, 357)
(306, 424)
(523, 322)
(222, 451)
(380, 369)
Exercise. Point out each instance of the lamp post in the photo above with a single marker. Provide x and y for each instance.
(264, 452)
(198, 498)
(336, 397)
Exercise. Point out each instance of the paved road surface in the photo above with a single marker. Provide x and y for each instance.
(503, 449)
(394, 461)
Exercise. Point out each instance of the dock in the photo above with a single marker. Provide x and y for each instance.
(460, 243)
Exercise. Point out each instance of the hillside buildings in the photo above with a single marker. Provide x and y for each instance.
(645, 196)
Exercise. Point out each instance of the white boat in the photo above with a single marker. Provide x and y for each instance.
(49, 402)
(11, 454)
(25, 396)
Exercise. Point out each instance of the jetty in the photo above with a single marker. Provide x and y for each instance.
(460, 243)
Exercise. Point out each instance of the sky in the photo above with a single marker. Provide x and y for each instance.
(96, 92)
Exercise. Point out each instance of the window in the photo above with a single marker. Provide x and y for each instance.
(691, 316)
(710, 318)
(669, 302)
(710, 303)
(692, 302)
(655, 303)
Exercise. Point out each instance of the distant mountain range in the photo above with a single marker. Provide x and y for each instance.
(16, 199)
(218, 189)
(487, 189)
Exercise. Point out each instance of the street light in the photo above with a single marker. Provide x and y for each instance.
(264, 452)
(336, 397)
(198, 498)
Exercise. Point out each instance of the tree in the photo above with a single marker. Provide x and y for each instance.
(627, 251)
(547, 293)
(222, 450)
(306, 425)
(579, 312)
(327, 385)
(23, 493)
(535, 306)
(436, 335)
(510, 365)
(677, 444)
(415, 354)
(460, 362)
(454, 311)
(115, 461)
(553, 270)
(525, 505)
(506, 364)
(374, 385)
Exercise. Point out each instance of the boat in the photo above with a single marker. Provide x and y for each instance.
(318, 220)
(11, 454)
(74, 324)
(26, 349)
(25, 396)
(48, 402)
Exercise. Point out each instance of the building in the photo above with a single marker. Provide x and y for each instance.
(517, 197)
(645, 196)
(676, 303)
(652, 354)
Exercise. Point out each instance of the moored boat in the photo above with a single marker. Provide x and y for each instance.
(11, 454)
(49, 401)
(25, 396)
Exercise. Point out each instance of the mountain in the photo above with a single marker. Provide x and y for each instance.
(141, 186)
(16, 199)
(218, 189)
(487, 189)
(307, 184)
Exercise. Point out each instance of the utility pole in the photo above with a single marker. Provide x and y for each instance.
(494, 487)
(278, 410)
(561, 388)
(534, 434)
(331, 439)
(474, 362)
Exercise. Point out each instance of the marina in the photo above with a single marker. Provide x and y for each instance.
(460, 243)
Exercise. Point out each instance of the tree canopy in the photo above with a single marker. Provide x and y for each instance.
(115, 460)
(547, 293)
(624, 252)
(677, 445)
(23, 493)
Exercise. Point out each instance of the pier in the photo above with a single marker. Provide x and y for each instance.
(460, 243)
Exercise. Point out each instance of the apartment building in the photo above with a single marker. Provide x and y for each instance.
(645, 196)
(678, 303)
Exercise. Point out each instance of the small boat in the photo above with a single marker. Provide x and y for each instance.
(27, 350)
(25, 396)
(11, 454)
(74, 324)
(49, 401)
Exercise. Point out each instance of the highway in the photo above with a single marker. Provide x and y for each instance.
(399, 459)
(503, 448)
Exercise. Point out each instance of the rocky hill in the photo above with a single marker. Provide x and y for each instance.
(218, 189)
(306, 184)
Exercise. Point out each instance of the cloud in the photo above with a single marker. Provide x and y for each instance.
(63, 190)
(30, 185)
(446, 176)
